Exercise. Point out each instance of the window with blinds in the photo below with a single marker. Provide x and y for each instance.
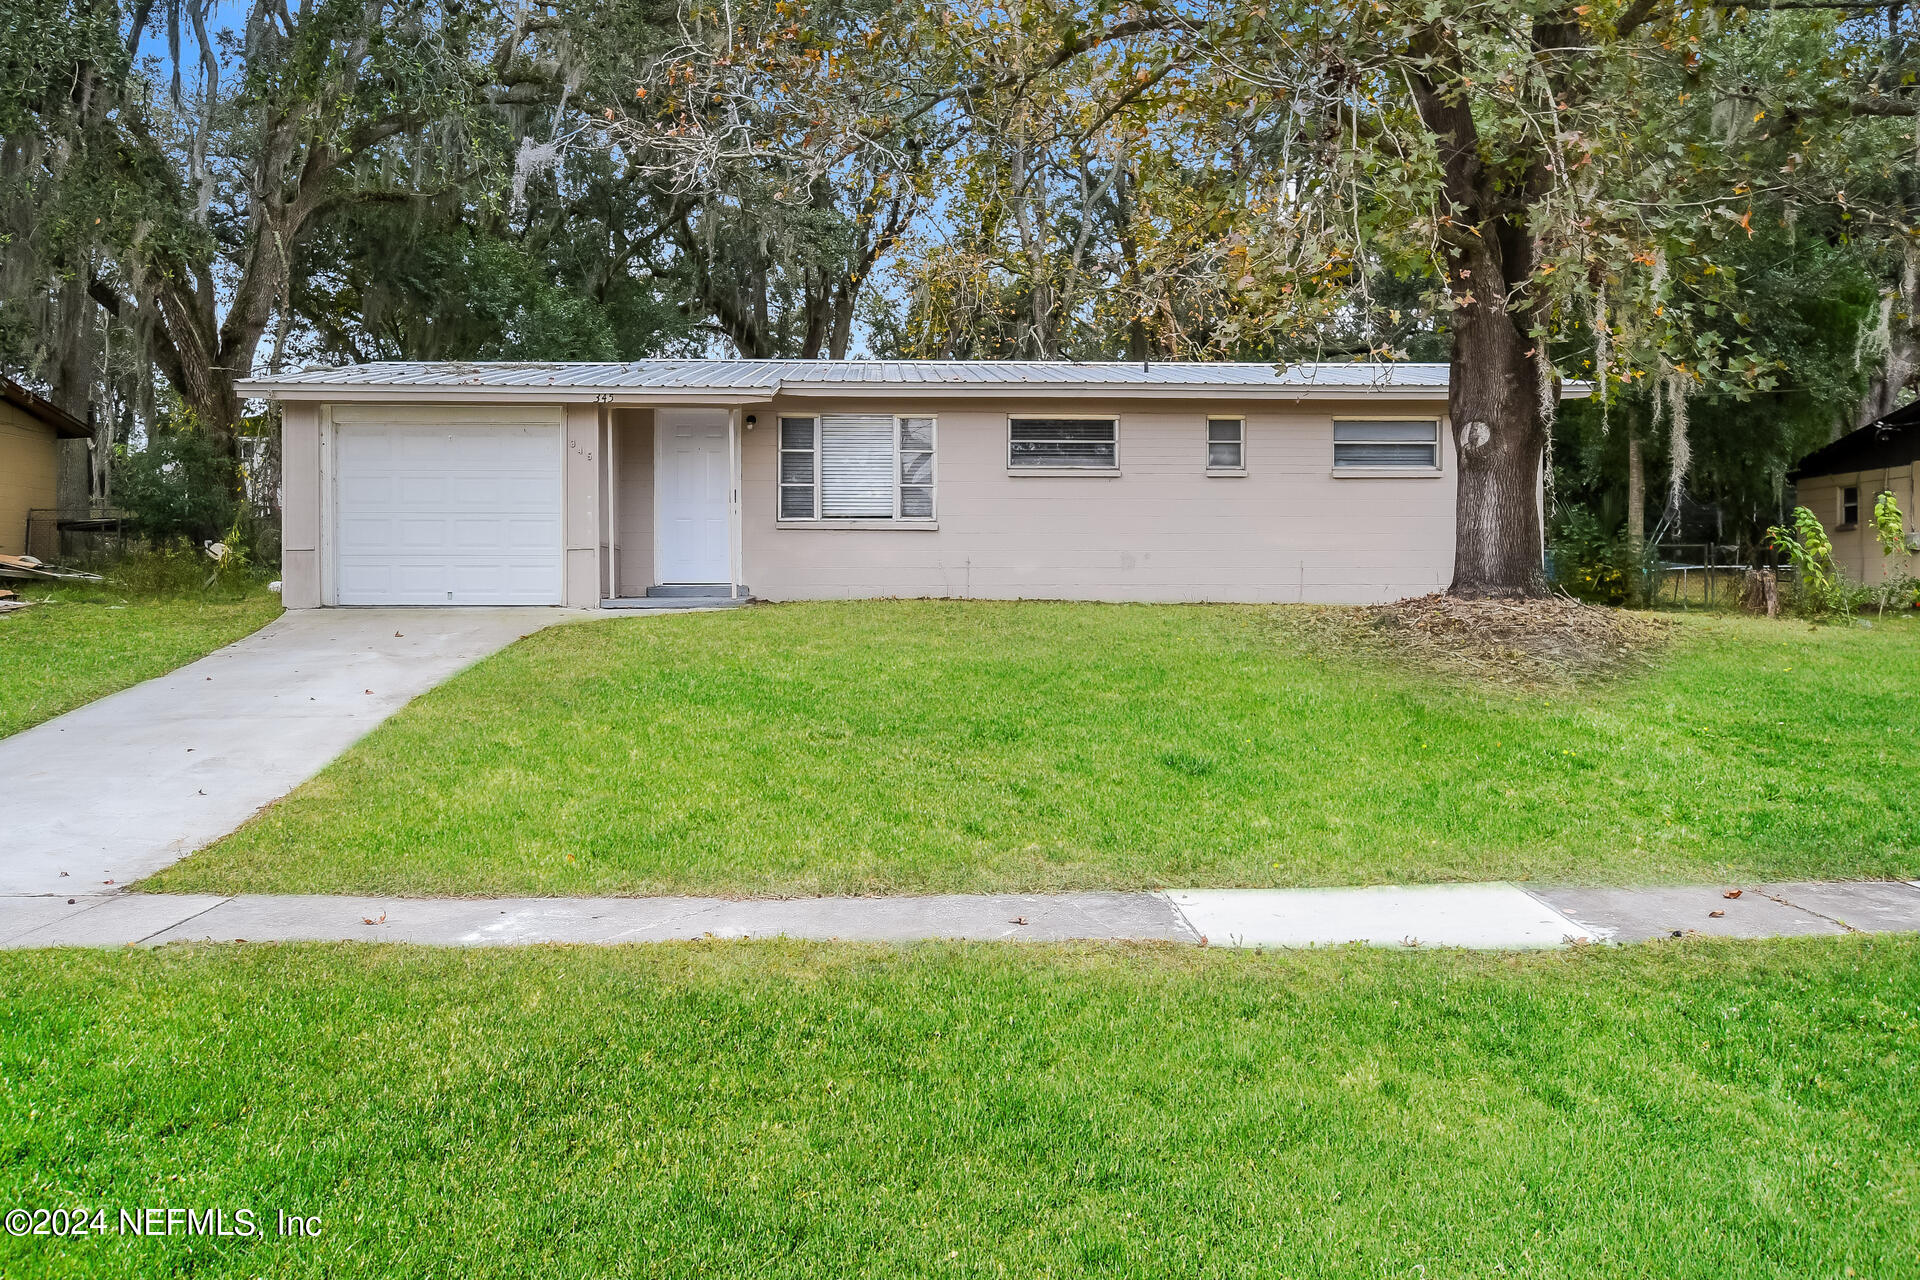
(799, 469)
(1386, 445)
(916, 468)
(856, 466)
(1090, 444)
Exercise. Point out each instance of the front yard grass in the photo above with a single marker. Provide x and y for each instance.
(84, 641)
(1675, 1110)
(917, 747)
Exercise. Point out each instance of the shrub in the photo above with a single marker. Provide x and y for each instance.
(1591, 564)
(1820, 589)
(1890, 529)
(180, 487)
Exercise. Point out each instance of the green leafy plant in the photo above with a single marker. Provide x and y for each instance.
(232, 555)
(1820, 589)
(180, 486)
(1590, 563)
(1890, 530)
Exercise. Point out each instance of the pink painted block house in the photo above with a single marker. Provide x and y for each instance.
(589, 484)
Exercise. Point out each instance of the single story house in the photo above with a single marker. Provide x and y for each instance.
(1841, 482)
(591, 483)
(31, 430)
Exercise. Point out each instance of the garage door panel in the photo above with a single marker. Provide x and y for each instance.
(366, 491)
(422, 492)
(419, 535)
(478, 535)
(481, 493)
(454, 514)
(360, 577)
(361, 452)
(531, 534)
(366, 535)
(430, 444)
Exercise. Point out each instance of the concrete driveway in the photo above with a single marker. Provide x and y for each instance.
(120, 788)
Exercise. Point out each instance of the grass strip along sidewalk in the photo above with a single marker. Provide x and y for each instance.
(84, 641)
(1686, 1109)
(969, 747)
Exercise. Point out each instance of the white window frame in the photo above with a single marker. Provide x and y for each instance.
(819, 519)
(1392, 472)
(1041, 415)
(780, 486)
(932, 485)
(1207, 444)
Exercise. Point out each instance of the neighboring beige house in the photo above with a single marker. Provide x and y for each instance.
(30, 433)
(584, 484)
(1841, 482)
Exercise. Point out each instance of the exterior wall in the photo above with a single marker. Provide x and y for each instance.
(1855, 550)
(581, 518)
(29, 474)
(1160, 529)
(633, 504)
(300, 506)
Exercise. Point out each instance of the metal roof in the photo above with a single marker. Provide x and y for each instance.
(748, 381)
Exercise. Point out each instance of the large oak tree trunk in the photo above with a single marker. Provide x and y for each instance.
(1493, 397)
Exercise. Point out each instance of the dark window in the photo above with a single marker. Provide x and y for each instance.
(1079, 443)
(1849, 508)
(1226, 444)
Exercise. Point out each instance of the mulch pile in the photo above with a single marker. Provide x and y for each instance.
(1556, 640)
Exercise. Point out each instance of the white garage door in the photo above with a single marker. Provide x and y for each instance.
(447, 513)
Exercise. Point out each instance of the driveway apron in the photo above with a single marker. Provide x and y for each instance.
(124, 786)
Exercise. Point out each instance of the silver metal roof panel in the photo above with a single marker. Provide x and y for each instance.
(745, 380)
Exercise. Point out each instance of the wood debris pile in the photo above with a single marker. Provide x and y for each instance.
(27, 568)
(1556, 640)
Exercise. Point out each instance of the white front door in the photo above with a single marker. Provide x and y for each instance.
(692, 482)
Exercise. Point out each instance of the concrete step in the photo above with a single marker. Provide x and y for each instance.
(650, 604)
(678, 590)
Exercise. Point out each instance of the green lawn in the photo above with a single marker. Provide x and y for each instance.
(925, 746)
(84, 642)
(1710, 1110)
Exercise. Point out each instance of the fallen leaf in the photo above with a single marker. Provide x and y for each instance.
(371, 920)
(1019, 920)
(1715, 915)
(1733, 893)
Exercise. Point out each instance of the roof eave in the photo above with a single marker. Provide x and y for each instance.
(44, 411)
(309, 392)
(453, 393)
(389, 393)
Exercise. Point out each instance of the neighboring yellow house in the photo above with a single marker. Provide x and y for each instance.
(30, 433)
(1841, 482)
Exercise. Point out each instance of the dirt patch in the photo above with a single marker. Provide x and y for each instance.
(1557, 640)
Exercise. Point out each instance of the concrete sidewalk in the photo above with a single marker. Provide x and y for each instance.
(1496, 916)
(124, 786)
